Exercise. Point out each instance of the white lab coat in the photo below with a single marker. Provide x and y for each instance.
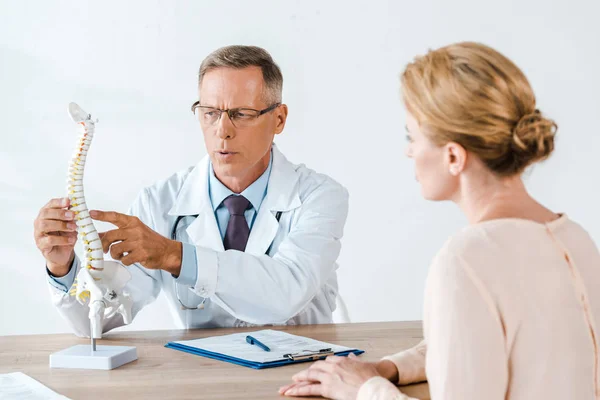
(287, 275)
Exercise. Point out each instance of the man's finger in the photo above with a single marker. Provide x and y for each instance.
(117, 250)
(60, 202)
(110, 237)
(66, 234)
(51, 240)
(115, 218)
(57, 214)
(130, 258)
(48, 225)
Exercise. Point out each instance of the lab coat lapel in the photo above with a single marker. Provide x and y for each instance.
(193, 199)
(204, 231)
(282, 196)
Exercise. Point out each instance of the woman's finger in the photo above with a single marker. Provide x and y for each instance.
(313, 375)
(285, 388)
(334, 359)
(313, 389)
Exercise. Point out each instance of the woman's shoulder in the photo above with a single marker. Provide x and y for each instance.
(500, 231)
(481, 252)
(506, 241)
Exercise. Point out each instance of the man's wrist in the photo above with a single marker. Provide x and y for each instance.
(174, 256)
(60, 270)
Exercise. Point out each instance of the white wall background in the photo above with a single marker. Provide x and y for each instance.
(133, 65)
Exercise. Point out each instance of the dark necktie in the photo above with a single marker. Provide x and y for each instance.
(236, 235)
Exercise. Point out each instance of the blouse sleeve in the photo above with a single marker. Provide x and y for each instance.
(410, 364)
(466, 355)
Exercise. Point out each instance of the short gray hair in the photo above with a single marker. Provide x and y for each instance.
(239, 57)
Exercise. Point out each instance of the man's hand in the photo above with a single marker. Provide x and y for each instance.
(55, 235)
(134, 242)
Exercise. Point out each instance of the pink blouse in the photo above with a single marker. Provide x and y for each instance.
(511, 312)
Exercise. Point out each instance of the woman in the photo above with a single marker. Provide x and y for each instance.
(512, 302)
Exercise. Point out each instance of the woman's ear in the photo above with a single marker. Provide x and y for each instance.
(456, 158)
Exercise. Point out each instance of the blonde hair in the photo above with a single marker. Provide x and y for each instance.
(470, 94)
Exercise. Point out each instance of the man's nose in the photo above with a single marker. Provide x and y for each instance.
(225, 127)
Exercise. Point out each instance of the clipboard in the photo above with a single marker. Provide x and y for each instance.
(285, 348)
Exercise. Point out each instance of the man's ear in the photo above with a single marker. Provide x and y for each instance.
(282, 113)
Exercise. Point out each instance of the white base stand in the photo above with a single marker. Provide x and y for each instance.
(82, 356)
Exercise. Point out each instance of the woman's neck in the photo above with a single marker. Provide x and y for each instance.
(488, 197)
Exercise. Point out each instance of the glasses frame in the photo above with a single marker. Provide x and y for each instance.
(232, 111)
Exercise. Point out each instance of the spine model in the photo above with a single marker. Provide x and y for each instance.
(99, 282)
(85, 226)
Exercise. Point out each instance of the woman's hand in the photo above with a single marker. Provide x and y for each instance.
(337, 378)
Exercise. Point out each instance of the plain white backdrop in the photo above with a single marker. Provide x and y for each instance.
(133, 65)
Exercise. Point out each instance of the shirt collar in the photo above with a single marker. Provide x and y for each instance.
(255, 193)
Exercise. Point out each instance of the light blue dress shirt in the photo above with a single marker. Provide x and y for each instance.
(255, 193)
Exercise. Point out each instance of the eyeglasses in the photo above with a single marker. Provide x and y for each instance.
(240, 117)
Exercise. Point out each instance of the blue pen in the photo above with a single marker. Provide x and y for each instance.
(256, 342)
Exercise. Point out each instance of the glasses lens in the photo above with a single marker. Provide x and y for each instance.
(242, 117)
(207, 115)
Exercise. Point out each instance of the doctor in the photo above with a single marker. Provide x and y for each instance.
(245, 237)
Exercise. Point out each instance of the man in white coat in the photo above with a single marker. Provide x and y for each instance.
(243, 238)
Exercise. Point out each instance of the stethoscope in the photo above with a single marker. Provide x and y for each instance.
(174, 237)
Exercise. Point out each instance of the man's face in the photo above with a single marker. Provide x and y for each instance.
(238, 148)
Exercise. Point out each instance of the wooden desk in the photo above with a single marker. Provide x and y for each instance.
(164, 373)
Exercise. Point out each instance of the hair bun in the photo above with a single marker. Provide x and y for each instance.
(533, 138)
